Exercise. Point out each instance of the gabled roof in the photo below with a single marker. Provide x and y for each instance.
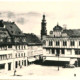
(10, 30)
(32, 40)
(13, 29)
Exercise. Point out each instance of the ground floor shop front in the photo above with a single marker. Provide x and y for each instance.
(18, 63)
(62, 56)
(12, 64)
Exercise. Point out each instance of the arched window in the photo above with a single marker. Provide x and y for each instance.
(64, 43)
(72, 43)
(50, 43)
(57, 43)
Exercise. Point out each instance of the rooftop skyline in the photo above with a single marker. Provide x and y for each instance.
(28, 15)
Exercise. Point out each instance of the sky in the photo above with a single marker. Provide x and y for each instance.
(28, 14)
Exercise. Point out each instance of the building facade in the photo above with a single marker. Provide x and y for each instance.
(35, 49)
(63, 44)
(14, 47)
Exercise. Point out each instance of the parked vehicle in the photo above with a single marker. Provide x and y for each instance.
(68, 66)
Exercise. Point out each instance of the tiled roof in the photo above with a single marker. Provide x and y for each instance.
(13, 29)
(32, 39)
(10, 30)
(4, 33)
(72, 32)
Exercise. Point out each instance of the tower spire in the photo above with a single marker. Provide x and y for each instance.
(57, 23)
(43, 16)
(43, 27)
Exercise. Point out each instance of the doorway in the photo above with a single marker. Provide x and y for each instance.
(57, 52)
(9, 66)
(24, 62)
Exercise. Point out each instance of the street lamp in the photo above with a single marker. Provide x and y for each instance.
(58, 61)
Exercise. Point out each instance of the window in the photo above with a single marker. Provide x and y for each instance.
(77, 52)
(16, 46)
(11, 27)
(9, 56)
(24, 54)
(24, 46)
(19, 32)
(19, 54)
(3, 57)
(62, 51)
(19, 46)
(53, 51)
(2, 66)
(9, 46)
(72, 43)
(1, 40)
(8, 40)
(50, 43)
(16, 55)
(11, 31)
(64, 43)
(44, 42)
(19, 63)
(57, 43)
(79, 43)
(16, 64)
(22, 62)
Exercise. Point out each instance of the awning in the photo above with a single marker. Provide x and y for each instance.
(31, 59)
(57, 59)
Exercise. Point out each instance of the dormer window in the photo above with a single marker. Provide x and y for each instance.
(51, 32)
(19, 32)
(11, 27)
(1, 40)
(11, 31)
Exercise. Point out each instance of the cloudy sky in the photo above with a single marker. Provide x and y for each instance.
(28, 15)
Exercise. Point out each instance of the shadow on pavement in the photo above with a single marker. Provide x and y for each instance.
(51, 63)
(16, 75)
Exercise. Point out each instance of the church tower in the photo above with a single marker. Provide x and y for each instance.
(43, 27)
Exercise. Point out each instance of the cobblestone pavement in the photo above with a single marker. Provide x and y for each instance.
(38, 70)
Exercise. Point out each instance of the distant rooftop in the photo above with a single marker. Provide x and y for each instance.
(69, 32)
(13, 29)
(32, 39)
(57, 27)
